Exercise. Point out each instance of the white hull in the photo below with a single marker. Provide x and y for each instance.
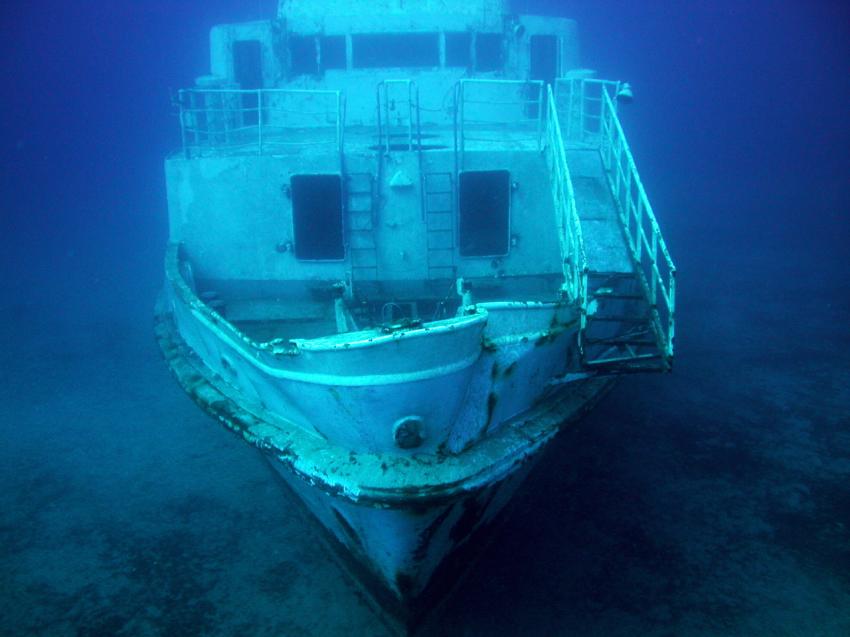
(399, 512)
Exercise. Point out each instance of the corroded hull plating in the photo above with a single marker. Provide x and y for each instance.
(401, 514)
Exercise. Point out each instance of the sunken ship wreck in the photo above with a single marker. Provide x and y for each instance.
(408, 243)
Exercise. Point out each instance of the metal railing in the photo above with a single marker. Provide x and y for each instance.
(563, 196)
(398, 116)
(262, 122)
(579, 104)
(647, 245)
(643, 234)
(503, 112)
(587, 109)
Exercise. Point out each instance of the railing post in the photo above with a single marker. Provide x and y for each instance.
(339, 129)
(653, 293)
(182, 124)
(387, 113)
(259, 121)
(461, 132)
(569, 106)
(409, 115)
(671, 305)
(607, 138)
(378, 113)
(540, 106)
(639, 226)
(195, 124)
(455, 127)
(583, 103)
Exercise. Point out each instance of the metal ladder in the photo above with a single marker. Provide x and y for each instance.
(359, 199)
(398, 115)
(438, 209)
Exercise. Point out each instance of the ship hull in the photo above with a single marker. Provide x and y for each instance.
(408, 528)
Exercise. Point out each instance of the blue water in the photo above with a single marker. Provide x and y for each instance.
(713, 501)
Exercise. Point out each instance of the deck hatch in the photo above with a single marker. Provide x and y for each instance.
(317, 217)
(484, 207)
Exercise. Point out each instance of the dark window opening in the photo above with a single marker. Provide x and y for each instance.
(484, 211)
(332, 49)
(458, 48)
(248, 64)
(302, 55)
(248, 73)
(544, 58)
(390, 50)
(317, 217)
(488, 52)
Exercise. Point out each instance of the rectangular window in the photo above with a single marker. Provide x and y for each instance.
(302, 55)
(391, 50)
(332, 49)
(544, 58)
(317, 217)
(484, 211)
(248, 73)
(488, 52)
(248, 64)
(458, 49)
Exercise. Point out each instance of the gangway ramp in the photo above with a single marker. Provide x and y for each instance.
(630, 278)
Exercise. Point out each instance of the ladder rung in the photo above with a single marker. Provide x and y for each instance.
(618, 319)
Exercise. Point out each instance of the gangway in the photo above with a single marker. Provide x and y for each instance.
(629, 294)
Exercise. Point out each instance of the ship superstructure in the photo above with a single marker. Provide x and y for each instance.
(408, 241)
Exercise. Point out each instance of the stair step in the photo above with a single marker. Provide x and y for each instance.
(638, 358)
(614, 340)
(619, 297)
(611, 275)
(618, 319)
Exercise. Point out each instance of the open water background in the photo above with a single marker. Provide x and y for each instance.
(714, 501)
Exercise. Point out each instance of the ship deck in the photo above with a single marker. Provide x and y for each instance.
(250, 140)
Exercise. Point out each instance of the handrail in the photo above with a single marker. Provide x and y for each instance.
(569, 226)
(580, 114)
(504, 108)
(410, 101)
(261, 121)
(635, 214)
